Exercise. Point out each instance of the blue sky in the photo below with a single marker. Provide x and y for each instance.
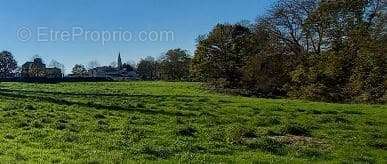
(185, 18)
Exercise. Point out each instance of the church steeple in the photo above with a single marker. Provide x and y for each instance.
(119, 61)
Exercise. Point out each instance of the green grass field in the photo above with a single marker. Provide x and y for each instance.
(180, 122)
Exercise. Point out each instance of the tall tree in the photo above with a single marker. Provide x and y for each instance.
(348, 61)
(148, 69)
(220, 56)
(265, 72)
(174, 65)
(8, 65)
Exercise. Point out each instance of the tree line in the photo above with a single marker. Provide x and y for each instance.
(173, 66)
(311, 49)
(9, 67)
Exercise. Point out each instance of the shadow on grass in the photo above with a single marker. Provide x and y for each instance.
(19, 94)
(99, 94)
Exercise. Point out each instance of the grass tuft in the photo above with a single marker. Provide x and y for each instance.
(269, 145)
(9, 136)
(237, 134)
(296, 129)
(157, 153)
(187, 131)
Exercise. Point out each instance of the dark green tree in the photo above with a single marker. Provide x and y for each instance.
(221, 55)
(148, 69)
(8, 65)
(174, 65)
(348, 62)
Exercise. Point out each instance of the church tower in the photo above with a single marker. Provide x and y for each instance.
(119, 61)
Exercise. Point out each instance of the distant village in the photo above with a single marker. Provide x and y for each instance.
(37, 69)
(172, 66)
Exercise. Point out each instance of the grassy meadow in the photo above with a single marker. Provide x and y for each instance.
(123, 122)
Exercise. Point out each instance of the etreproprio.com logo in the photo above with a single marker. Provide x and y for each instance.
(47, 34)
